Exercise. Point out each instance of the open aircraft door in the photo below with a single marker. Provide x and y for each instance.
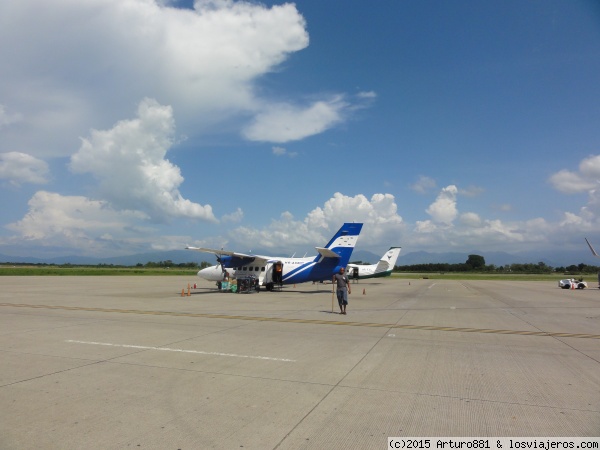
(273, 275)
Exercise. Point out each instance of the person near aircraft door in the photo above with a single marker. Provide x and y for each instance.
(343, 289)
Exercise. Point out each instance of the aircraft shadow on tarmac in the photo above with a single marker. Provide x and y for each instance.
(310, 290)
(262, 291)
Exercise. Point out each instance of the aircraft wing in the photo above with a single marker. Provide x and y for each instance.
(220, 252)
(257, 258)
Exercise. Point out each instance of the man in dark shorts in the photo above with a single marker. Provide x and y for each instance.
(343, 289)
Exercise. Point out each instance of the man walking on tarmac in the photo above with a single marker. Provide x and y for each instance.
(343, 289)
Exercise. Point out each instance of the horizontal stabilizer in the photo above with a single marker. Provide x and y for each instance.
(326, 253)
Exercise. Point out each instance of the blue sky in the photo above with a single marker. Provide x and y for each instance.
(135, 125)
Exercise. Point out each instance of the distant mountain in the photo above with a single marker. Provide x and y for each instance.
(21, 259)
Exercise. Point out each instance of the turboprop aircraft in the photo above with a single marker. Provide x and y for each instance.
(275, 270)
(382, 269)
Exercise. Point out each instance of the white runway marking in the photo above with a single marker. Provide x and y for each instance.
(198, 352)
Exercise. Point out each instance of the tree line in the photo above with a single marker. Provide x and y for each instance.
(168, 264)
(476, 263)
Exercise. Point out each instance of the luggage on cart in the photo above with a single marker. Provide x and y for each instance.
(247, 285)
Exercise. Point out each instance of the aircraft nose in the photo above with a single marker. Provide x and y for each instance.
(213, 273)
(205, 273)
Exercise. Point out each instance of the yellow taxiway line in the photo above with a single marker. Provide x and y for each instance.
(311, 321)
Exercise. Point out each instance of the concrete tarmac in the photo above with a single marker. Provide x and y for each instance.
(126, 362)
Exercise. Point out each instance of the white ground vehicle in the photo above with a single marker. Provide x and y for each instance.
(572, 283)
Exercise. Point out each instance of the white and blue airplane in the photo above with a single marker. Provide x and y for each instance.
(383, 268)
(275, 271)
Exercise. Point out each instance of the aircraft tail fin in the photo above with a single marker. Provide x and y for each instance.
(341, 244)
(388, 260)
(592, 248)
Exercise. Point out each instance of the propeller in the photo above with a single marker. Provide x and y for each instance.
(220, 261)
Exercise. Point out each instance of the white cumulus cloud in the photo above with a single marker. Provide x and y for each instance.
(379, 214)
(129, 163)
(68, 66)
(77, 223)
(470, 219)
(286, 122)
(423, 184)
(584, 180)
(235, 216)
(590, 168)
(7, 118)
(571, 182)
(19, 168)
(444, 210)
(280, 151)
(443, 231)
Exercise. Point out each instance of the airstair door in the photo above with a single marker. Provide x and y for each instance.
(273, 275)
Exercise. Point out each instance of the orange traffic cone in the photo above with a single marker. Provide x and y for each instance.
(182, 293)
(189, 293)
